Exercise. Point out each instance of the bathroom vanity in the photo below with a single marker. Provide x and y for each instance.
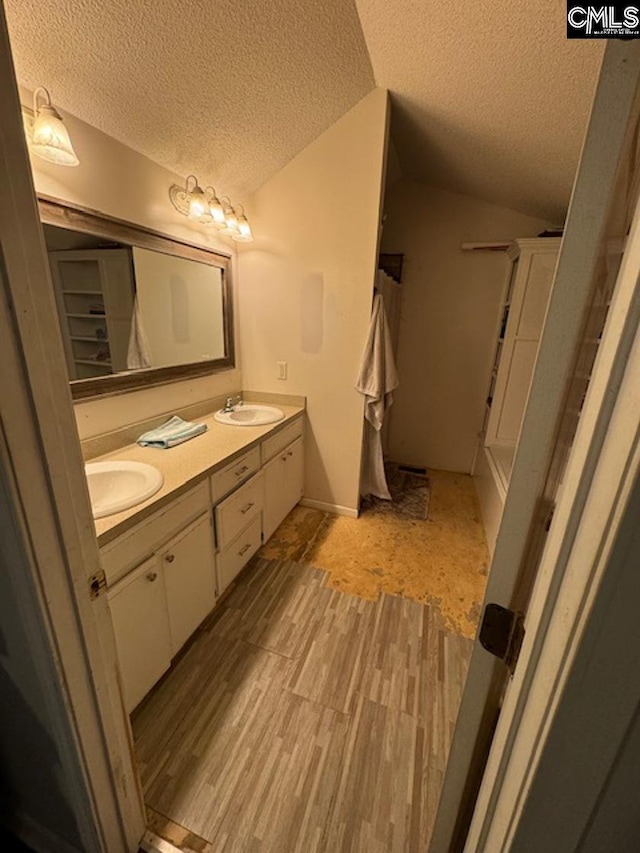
(168, 560)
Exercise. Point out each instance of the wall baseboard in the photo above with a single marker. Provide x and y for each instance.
(336, 509)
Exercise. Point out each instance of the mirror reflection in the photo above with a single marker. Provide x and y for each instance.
(123, 308)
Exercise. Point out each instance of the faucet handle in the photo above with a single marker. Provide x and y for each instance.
(231, 402)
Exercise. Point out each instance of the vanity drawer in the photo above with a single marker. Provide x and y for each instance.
(238, 553)
(225, 480)
(272, 446)
(236, 511)
(133, 546)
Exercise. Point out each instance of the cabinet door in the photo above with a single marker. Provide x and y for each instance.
(141, 625)
(283, 485)
(294, 473)
(189, 573)
(275, 494)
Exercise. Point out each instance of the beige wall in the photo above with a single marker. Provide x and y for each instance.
(306, 289)
(115, 180)
(450, 302)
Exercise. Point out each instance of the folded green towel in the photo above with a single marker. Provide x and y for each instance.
(175, 431)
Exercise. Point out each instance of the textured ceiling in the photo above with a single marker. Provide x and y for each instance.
(490, 99)
(229, 90)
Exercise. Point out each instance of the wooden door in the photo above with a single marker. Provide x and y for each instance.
(189, 574)
(601, 205)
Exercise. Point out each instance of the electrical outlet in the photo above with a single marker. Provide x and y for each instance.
(282, 369)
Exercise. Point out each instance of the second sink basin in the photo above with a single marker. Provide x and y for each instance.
(116, 486)
(250, 414)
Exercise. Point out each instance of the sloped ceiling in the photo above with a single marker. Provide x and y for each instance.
(228, 90)
(489, 98)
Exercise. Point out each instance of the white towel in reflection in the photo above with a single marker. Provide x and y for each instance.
(376, 380)
(138, 355)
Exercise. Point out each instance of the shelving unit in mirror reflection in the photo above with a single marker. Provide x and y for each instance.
(94, 291)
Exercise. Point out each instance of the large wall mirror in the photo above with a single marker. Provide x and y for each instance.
(135, 307)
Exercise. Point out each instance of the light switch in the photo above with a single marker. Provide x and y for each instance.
(282, 369)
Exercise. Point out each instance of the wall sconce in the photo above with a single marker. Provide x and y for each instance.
(47, 135)
(204, 206)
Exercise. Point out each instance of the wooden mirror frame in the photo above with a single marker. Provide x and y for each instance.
(58, 213)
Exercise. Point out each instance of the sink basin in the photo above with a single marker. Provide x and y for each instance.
(250, 414)
(115, 486)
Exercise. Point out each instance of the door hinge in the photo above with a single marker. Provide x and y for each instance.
(97, 584)
(502, 633)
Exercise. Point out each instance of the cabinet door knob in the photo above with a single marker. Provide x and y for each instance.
(246, 509)
(283, 458)
(290, 453)
(170, 558)
(152, 576)
(244, 549)
(242, 470)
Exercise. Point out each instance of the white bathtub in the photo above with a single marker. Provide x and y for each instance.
(491, 477)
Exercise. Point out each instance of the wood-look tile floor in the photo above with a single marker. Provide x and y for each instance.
(441, 560)
(302, 718)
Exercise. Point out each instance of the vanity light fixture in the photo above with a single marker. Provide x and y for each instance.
(48, 137)
(244, 233)
(204, 206)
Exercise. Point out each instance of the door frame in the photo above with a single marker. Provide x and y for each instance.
(602, 154)
(601, 474)
(50, 511)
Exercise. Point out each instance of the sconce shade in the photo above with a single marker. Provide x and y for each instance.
(49, 137)
(230, 220)
(216, 210)
(198, 205)
(243, 234)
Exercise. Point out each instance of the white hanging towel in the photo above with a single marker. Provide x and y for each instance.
(376, 380)
(138, 354)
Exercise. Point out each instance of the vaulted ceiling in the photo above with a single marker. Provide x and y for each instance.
(489, 98)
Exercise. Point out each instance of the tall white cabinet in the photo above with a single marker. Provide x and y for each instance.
(527, 290)
(94, 290)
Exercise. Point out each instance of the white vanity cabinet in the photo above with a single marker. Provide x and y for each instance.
(283, 477)
(161, 577)
(165, 573)
(189, 577)
(140, 618)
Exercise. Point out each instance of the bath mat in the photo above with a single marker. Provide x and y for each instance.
(409, 495)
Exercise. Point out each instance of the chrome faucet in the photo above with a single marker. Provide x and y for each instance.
(231, 403)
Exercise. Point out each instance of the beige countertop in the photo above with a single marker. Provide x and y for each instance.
(185, 465)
